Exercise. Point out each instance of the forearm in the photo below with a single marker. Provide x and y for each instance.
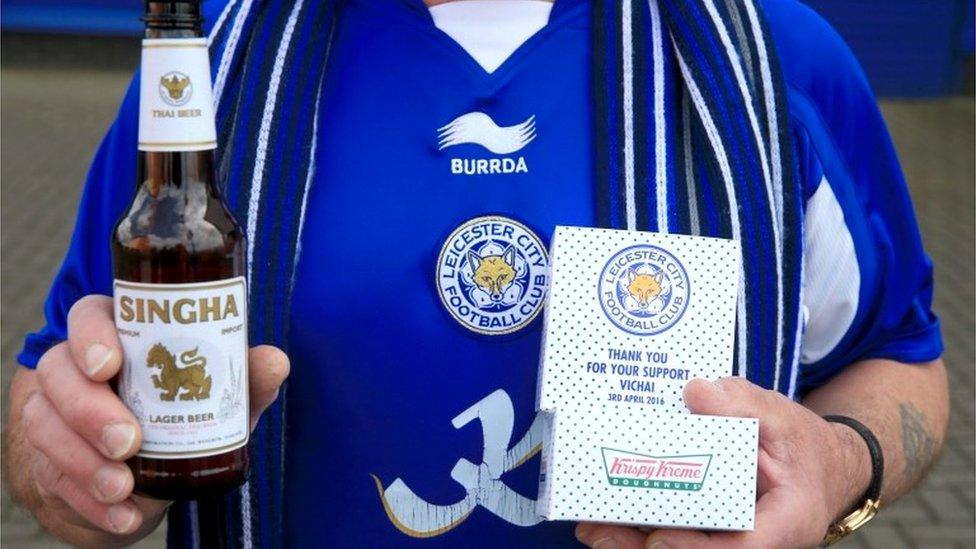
(907, 408)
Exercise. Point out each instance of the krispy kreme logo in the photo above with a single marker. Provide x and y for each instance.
(633, 470)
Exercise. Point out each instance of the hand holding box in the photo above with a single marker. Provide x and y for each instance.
(631, 318)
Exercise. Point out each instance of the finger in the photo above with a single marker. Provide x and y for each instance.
(37, 469)
(150, 507)
(736, 397)
(268, 368)
(106, 481)
(769, 472)
(681, 539)
(90, 409)
(118, 518)
(775, 526)
(92, 337)
(609, 536)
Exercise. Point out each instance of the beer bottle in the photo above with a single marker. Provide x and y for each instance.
(180, 293)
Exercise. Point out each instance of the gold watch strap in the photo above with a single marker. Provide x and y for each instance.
(851, 522)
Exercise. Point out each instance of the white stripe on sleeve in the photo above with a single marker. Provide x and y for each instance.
(831, 276)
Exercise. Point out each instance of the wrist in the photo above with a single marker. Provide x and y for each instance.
(854, 474)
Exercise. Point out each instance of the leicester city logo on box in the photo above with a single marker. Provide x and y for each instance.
(644, 289)
(492, 275)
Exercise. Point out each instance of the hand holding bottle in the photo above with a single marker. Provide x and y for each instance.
(72, 433)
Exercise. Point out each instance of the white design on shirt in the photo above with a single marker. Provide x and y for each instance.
(415, 517)
(478, 128)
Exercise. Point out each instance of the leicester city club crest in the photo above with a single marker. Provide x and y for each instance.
(492, 275)
(644, 289)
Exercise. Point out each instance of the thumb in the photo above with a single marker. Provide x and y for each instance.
(736, 397)
(268, 368)
(709, 398)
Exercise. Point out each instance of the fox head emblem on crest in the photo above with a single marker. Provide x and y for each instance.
(644, 287)
(493, 273)
(175, 86)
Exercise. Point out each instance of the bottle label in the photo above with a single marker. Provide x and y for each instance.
(185, 370)
(176, 111)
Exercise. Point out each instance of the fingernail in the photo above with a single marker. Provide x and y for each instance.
(583, 533)
(110, 481)
(120, 518)
(658, 545)
(96, 357)
(605, 543)
(118, 438)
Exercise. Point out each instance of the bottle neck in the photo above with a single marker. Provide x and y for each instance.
(173, 33)
(177, 133)
(186, 171)
(173, 19)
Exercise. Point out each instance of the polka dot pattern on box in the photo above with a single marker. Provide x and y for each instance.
(630, 319)
(591, 355)
(710, 483)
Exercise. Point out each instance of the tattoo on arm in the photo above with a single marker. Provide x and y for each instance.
(918, 445)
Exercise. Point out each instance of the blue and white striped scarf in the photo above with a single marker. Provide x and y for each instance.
(692, 137)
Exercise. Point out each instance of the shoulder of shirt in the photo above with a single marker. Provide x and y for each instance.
(818, 66)
(829, 97)
(813, 56)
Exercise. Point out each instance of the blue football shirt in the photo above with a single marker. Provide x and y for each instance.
(415, 323)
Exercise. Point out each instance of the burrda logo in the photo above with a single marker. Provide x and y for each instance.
(632, 470)
(477, 128)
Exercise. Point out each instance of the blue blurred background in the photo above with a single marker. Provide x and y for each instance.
(909, 48)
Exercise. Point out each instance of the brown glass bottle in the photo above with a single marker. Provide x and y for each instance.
(178, 231)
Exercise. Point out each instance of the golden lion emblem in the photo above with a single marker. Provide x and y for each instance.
(192, 377)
